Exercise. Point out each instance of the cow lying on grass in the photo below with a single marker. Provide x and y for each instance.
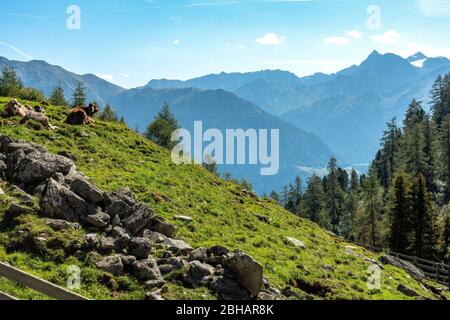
(82, 115)
(14, 108)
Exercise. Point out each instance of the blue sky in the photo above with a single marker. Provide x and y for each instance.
(130, 42)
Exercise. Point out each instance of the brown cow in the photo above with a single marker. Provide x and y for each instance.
(14, 108)
(82, 115)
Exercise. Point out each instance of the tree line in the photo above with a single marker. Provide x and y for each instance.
(403, 202)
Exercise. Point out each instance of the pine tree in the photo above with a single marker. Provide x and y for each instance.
(386, 161)
(57, 97)
(314, 200)
(440, 97)
(10, 84)
(369, 216)
(334, 194)
(275, 196)
(347, 225)
(161, 129)
(400, 214)
(354, 181)
(443, 166)
(108, 114)
(79, 96)
(423, 220)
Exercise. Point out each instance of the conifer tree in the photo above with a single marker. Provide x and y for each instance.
(334, 196)
(423, 220)
(354, 181)
(79, 95)
(10, 84)
(161, 129)
(369, 216)
(314, 200)
(57, 97)
(400, 214)
(443, 165)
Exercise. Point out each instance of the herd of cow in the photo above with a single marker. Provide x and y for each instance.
(77, 116)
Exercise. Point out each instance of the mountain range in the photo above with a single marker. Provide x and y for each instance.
(320, 115)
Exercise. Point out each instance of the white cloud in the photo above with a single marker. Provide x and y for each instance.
(124, 75)
(339, 41)
(106, 76)
(271, 39)
(355, 34)
(389, 37)
(177, 42)
(434, 8)
(19, 51)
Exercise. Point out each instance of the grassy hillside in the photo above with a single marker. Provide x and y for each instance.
(223, 214)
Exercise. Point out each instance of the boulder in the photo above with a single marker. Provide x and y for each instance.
(116, 207)
(58, 225)
(39, 166)
(152, 284)
(111, 264)
(98, 220)
(128, 260)
(198, 271)
(218, 251)
(296, 243)
(60, 202)
(18, 209)
(228, 289)
(145, 270)
(140, 247)
(178, 247)
(121, 238)
(200, 254)
(91, 240)
(106, 245)
(154, 236)
(139, 219)
(160, 225)
(248, 272)
(413, 271)
(86, 190)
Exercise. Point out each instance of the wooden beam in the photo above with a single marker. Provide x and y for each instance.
(6, 297)
(35, 283)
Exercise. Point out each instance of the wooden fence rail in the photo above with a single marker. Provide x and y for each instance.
(433, 270)
(47, 288)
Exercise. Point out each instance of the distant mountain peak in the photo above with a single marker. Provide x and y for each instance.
(416, 57)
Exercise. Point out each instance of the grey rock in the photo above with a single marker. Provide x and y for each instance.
(111, 264)
(248, 272)
(178, 247)
(145, 270)
(60, 202)
(200, 254)
(59, 225)
(86, 190)
(197, 273)
(116, 207)
(128, 260)
(98, 220)
(218, 251)
(296, 243)
(229, 289)
(154, 236)
(91, 240)
(106, 245)
(152, 284)
(139, 219)
(140, 247)
(160, 225)
(407, 291)
(166, 268)
(413, 271)
(121, 238)
(39, 166)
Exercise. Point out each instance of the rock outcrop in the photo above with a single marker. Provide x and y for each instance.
(124, 232)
